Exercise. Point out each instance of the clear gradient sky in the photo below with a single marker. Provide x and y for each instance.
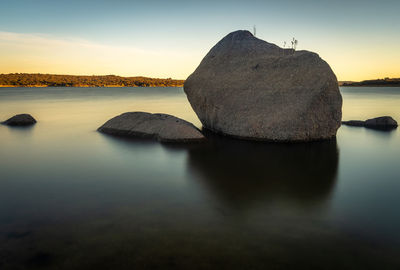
(360, 39)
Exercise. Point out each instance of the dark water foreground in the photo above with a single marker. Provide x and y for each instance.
(71, 198)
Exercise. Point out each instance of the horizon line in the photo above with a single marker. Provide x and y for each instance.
(77, 75)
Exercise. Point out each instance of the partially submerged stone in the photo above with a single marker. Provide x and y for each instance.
(163, 127)
(381, 123)
(20, 120)
(354, 123)
(384, 122)
(248, 88)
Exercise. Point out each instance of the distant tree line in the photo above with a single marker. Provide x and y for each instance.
(377, 82)
(30, 80)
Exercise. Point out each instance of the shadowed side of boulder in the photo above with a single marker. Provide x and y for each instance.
(162, 127)
(20, 120)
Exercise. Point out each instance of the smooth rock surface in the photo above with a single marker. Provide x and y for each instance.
(382, 123)
(163, 127)
(248, 88)
(20, 120)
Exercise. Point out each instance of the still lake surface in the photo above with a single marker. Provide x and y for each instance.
(72, 198)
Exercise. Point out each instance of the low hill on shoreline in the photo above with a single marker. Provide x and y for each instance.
(46, 80)
(377, 82)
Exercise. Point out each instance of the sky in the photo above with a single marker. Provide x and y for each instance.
(360, 39)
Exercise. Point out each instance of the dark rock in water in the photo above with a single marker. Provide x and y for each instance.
(381, 123)
(354, 123)
(20, 120)
(384, 123)
(248, 88)
(163, 127)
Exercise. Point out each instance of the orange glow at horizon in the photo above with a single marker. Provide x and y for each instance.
(27, 53)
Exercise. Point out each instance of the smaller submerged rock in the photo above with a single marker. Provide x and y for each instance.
(382, 123)
(354, 123)
(20, 120)
(163, 127)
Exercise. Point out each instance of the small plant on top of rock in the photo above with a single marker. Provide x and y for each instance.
(294, 43)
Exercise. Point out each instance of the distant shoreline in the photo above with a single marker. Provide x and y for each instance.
(110, 86)
(81, 86)
(53, 80)
(398, 85)
(387, 82)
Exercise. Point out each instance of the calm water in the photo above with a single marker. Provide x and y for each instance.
(71, 198)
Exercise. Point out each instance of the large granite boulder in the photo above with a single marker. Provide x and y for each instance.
(382, 123)
(248, 88)
(163, 127)
(20, 120)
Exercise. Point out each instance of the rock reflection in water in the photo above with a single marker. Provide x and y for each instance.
(241, 173)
